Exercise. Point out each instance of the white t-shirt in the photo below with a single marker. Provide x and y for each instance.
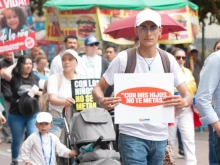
(31, 150)
(93, 66)
(56, 65)
(151, 131)
(63, 92)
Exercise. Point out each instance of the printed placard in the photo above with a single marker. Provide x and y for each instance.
(13, 3)
(82, 93)
(142, 97)
(15, 33)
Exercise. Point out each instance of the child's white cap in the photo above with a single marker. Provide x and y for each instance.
(44, 117)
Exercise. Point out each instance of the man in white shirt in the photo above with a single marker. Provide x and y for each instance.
(70, 43)
(95, 65)
(142, 144)
(111, 52)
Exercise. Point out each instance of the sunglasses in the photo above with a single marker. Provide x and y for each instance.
(179, 57)
(95, 44)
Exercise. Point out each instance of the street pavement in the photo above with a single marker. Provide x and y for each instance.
(201, 151)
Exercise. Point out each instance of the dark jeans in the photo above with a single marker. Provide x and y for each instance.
(18, 124)
(212, 155)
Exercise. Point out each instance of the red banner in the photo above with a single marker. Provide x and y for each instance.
(20, 43)
(15, 33)
(13, 3)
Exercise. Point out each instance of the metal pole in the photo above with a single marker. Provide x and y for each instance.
(13, 57)
(203, 42)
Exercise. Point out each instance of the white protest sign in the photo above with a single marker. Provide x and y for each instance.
(142, 96)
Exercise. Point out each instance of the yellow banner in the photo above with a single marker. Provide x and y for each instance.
(82, 23)
(194, 16)
(184, 17)
(95, 20)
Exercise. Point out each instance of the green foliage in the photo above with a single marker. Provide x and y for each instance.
(205, 7)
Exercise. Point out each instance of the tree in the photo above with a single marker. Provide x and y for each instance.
(216, 7)
(205, 7)
(208, 6)
(37, 5)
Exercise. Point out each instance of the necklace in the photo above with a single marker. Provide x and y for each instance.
(148, 64)
(50, 158)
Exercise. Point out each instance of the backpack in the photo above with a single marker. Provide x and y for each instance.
(6, 91)
(43, 100)
(105, 65)
(131, 61)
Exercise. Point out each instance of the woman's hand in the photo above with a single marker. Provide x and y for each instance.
(69, 101)
(38, 93)
(2, 71)
(2, 119)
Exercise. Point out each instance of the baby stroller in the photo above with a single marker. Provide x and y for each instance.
(85, 128)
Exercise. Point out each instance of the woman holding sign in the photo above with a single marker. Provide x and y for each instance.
(59, 89)
(184, 117)
(24, 107)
